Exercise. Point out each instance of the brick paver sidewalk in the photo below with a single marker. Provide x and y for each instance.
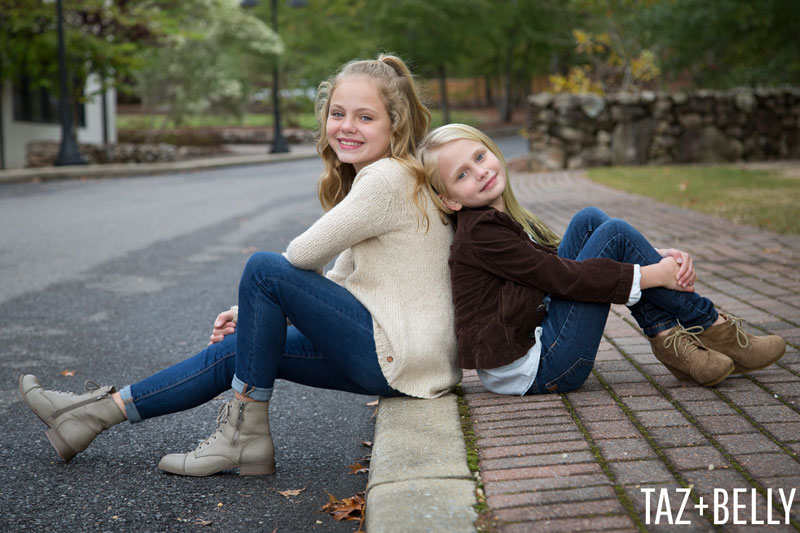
(579, 461)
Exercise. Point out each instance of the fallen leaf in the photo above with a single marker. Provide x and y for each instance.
(365, 459)
(372, 404)
(201, 522)
(683, 186)
(67, 373)
(367, 443)
(771, 250)
(351, 508)
(358, 468)
(290, 492)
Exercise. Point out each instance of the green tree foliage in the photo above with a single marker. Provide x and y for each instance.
(726, 43)
(432, 35)
(101, 37)
(525, 38)
(197, 55)
(209, 55)
(320, 37)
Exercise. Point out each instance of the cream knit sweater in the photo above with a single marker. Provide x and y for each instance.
(397, 270)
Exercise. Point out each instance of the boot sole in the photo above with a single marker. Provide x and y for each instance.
(686, 377)
(56, 440)
(253, 469)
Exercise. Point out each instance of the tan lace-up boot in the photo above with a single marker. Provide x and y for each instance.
(682, 352)
(748, 352)
(242, 440)
(74, 420)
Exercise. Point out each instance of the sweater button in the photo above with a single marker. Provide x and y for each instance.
(390, 359)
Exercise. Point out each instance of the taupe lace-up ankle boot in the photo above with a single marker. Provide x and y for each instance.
(682, 352)
(242, 440)
(748, 352)
(74, 420)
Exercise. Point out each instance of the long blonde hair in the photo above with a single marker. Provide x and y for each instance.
(427, 153)
(410, 121)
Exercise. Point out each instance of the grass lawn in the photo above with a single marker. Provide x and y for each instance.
(302, 120)
(768, 199)
(143, 121)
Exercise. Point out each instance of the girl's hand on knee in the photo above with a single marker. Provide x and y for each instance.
(686, 275)
(671, 268)
(223, 325)
(663, 274)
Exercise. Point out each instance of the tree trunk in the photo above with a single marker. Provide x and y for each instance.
(2, 140)
(442, 71)
(553, 62)
(505, 101)
(489, 99)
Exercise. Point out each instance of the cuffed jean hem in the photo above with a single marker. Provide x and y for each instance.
(651, 331)
(655, 329)
(130, 408)
(254, 393)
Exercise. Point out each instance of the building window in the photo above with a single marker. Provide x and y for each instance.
(40, 105)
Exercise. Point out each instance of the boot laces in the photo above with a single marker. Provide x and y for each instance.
(686, 339)
(222, 418)
(741, 334)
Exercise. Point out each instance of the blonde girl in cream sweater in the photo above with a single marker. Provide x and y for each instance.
(380, 322)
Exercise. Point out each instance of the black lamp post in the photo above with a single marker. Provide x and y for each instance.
(279, 144)
(68, 153)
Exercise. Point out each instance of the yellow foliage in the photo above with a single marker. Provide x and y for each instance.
(610, 65)
(604, 39)
(644, 67)
(577, 81)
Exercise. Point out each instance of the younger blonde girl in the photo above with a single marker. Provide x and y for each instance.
(531, 308)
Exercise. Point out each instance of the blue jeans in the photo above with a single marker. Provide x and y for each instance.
(571, 331)
(330, 345)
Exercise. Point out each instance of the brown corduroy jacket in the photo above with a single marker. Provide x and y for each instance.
(500, 277)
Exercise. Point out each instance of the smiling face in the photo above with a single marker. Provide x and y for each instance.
(471, 174)
(358, 126)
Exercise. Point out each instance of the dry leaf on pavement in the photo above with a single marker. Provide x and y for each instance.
(290, 492)
(358, 468)
(351, 508)
(67, 373)
(372, 404)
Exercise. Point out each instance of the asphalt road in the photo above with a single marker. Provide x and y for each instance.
(118, 278)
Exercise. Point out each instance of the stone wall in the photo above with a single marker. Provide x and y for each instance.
(575, 131)
(44, 153)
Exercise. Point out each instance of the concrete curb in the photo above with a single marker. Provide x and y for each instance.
(419, 479)
(148, 169)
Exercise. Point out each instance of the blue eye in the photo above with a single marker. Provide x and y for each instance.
(366, 118)
(461, 175)
(337, 114)
(480, 157)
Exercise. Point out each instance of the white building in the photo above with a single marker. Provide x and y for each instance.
(27, 116)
